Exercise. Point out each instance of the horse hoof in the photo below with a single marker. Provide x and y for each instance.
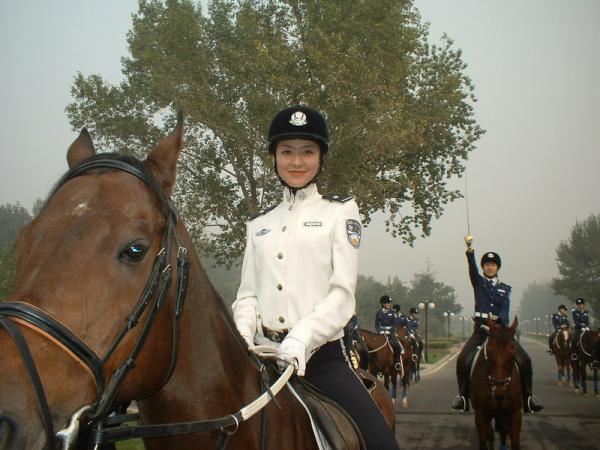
(404, 403)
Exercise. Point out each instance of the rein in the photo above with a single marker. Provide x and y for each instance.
(387, 342)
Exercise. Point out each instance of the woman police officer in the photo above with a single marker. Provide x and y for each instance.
(299, 272)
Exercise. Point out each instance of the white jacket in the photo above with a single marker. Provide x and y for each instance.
(300, 268)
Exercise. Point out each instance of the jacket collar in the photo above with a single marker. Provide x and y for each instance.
(301, 195)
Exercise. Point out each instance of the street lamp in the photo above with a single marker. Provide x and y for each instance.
(448, 314)
(463, 319)
(426, 306)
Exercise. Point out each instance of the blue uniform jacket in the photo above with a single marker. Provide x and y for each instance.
(558, 320)
(412, 325)
(385, 320)
(581, 319)
(401, 320)
(489, 299)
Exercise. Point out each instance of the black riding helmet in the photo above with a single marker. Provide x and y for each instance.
(299, 122)
(580, 301)
(396, 307)
(414, 311)
(491, 257)
(385, 299)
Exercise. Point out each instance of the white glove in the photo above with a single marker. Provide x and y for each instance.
(249, 341)
(293, 352)
(412, 336)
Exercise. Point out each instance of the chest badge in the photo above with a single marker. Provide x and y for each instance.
(312, 223)
(353, 232)
(263, 231)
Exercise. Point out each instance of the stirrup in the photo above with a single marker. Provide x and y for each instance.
(531, 406)
(398, 366)
(574, 357)
(460, 403)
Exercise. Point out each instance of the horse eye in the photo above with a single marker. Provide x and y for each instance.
(134, 252)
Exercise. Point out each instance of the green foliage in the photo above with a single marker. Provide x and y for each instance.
(7, 273)
(12, 219)
(400, 110)
(579, 264)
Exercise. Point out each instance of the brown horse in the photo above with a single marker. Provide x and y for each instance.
(496, 388)
(588, 354)
(381, 360)
(97, 322)
(561, 349)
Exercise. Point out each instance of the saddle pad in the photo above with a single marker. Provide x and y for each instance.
(334, 428)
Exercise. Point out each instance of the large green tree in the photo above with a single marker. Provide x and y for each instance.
(400, 110)
(578, 260)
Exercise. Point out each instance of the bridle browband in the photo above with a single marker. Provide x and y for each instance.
(155, 293)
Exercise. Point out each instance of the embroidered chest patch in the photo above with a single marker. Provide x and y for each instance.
(353, 232)
(312, 223)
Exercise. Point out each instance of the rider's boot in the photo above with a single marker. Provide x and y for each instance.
(397, 362)
(530, 406)
(461, 402)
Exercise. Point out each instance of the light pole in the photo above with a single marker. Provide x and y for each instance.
(427, 305)
(463, 319)
(448, 314)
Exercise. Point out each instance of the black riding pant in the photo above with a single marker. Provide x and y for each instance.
(463, 365)
(551, 340)
(396, 346)
(329, 371)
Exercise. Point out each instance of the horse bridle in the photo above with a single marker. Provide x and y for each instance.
(155, 293)
(493, 381)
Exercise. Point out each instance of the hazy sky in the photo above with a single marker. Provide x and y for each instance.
(535, 66)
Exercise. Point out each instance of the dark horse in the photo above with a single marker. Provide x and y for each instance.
(496, 388)
(561, 349)
(381, 360)
(97, 322)
(588, 354)
(417, 356)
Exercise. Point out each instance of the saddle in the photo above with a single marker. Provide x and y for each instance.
(334, 428)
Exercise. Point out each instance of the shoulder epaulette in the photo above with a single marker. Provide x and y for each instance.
(341, 198)
(263, 212)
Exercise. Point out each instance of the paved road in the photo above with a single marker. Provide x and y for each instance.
(568, 422)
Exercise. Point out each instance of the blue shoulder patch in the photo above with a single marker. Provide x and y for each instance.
(341, 198)
(263, 212)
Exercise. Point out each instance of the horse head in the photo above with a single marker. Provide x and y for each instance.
(92, 271)
(500, 352)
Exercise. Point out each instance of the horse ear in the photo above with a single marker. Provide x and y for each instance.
(162, 160)
(81, 148)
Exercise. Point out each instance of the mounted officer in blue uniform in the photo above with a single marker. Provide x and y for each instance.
(492, 300)
(581, 322)
(353, 340)
(560, 321)
(412, 329)
(385, 323)
(400, 318)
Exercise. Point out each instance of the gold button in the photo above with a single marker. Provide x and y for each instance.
(279, 287)
(280, 255)
(284, 228)
(281, 319)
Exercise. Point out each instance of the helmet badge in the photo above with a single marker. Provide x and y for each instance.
(298, 119)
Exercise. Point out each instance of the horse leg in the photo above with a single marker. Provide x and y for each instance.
(515, 430)
(583, 376)
(405, 384)
(596, 383)
(484, 431)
